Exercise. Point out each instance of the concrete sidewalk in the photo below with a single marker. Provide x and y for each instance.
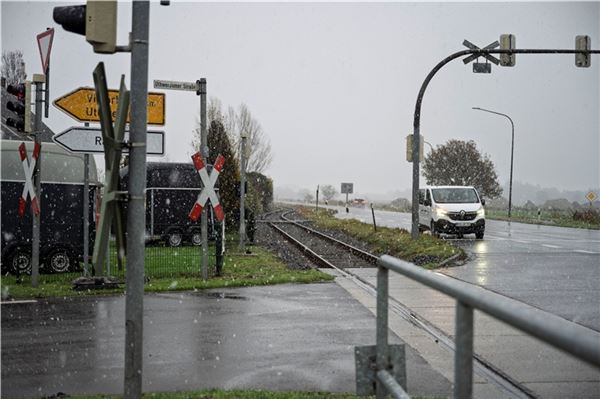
(544, 371)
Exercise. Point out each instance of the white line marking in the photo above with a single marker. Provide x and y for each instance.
(15, 302)
(583, 251)
(550, 246)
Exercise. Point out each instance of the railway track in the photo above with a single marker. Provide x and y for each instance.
(326, 251)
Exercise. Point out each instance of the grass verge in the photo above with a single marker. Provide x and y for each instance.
(235, 394)
(239, 270)
(427, 251)
(555, 218)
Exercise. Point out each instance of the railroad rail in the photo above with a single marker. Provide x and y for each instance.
(312, 243)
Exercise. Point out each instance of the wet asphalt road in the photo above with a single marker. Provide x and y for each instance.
(285, 337)
(556, 269)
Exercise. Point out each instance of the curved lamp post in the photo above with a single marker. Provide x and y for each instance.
(512, 150)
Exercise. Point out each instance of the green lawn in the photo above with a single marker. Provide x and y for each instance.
(427, 251)
(549, 218)
(235, 394)
(181, 272)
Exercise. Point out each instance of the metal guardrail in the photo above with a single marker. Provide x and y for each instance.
(570, 337)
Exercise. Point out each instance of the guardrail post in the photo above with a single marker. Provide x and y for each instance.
(382, 359)
(463, 358)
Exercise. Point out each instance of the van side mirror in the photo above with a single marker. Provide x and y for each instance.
(427, 202)
(483, 201)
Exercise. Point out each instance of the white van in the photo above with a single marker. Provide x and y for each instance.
(452, 210)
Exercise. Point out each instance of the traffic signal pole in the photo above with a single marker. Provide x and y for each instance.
(417, 114)
(137, 183)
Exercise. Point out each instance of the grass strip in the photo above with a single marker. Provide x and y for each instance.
(239, 270)
(426, 251)
(240, 394)
(559, 219)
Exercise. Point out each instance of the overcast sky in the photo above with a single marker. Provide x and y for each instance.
(334, 85)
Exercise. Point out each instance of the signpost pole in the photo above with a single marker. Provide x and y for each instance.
(204, 151)
(37, 182)
(86, 211)
(243, 194)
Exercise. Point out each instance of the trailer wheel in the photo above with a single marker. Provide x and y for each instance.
(59, 261)
(174, 238)
(196, 238)
(20, 261)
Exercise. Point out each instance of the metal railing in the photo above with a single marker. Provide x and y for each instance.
(570, 337)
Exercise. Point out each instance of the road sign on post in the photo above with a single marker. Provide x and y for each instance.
(112, 199)
(88, 140)
(81, 104)
(208, 191)
(173, 85)
(44, 41)
(28, 169)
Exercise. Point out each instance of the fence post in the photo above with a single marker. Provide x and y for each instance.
(382, 350)
(463, 358)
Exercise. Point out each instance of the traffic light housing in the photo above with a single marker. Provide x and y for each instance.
(583, 60)
(409, 148)
(508, 42)
(21, 107)
(96, 19)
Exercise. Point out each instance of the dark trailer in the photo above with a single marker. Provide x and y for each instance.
(171, 191)
(61, 223)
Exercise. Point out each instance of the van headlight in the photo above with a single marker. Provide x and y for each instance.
(481, 212)
(441, 212)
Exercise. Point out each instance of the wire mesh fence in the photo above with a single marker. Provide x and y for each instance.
(161, 261)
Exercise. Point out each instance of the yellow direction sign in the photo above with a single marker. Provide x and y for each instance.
(591, 196)
(81, 105)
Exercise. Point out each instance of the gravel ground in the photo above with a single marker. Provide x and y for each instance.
(292, 256)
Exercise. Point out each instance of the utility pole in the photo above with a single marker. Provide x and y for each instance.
(244, 136)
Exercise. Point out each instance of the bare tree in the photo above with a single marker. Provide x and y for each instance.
(13, 67)
(328, 191)
(258, 147)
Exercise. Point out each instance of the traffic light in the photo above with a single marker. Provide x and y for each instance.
(508, 42)
(21, 107)
(96, 19)
(583, 60)
(409, 148)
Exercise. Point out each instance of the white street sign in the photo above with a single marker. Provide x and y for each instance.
(172, 85)
(89, 140)
(44, 40)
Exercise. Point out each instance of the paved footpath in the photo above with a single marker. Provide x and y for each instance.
(283, 337)
(544, 371)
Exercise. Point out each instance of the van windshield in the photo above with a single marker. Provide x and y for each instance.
(455, 195)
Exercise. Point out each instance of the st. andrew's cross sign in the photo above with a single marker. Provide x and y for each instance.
(208, 191)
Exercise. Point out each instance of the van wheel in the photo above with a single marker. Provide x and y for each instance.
(479, 235)
(174, 239)
(434, 231)
(59, 261)
(20, 261)
(196, 238)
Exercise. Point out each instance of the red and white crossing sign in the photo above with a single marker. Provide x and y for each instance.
(29, 168)
(44, 40)
(208, 192)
